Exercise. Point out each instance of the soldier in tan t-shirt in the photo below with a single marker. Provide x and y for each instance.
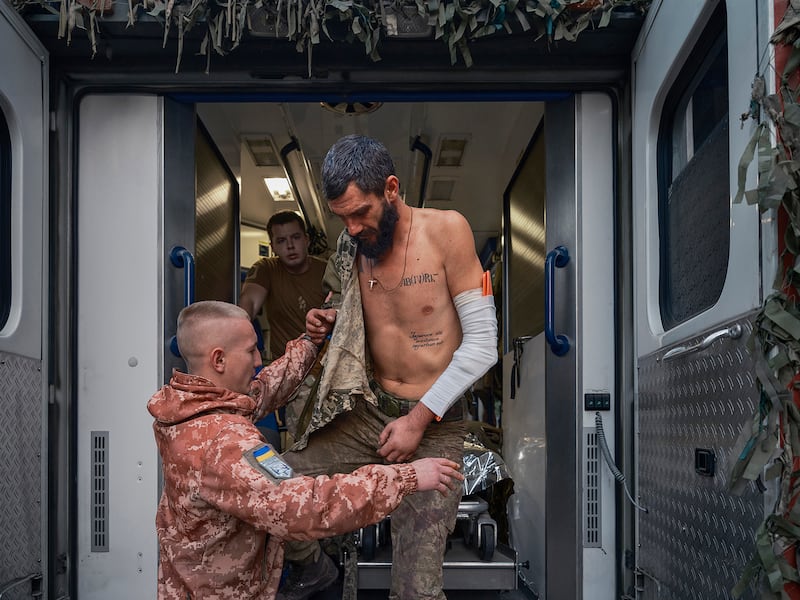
(287, 286)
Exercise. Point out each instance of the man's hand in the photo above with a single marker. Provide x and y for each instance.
(437, 474)
(319, 323)
(400, 438)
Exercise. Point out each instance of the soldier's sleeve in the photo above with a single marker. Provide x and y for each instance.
(258, 273)
(332, 283)
(276, 382)
(339, 268)
(298, 508)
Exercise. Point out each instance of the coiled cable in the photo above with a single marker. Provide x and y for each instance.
(601, 442)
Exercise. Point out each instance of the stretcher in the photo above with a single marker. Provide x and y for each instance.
(473, 558)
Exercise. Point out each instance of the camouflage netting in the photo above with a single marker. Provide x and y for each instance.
(770, 443)
(455, 22)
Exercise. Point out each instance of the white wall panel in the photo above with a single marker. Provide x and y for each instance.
(119, 336)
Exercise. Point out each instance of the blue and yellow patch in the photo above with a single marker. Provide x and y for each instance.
(266, 459)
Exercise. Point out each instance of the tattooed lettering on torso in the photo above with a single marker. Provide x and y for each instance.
(426, 339)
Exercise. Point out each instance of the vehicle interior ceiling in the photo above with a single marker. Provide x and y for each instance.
(457, 156)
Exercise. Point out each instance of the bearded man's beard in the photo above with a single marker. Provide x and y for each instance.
(383, 240)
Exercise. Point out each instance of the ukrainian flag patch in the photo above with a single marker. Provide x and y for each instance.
(265, 458)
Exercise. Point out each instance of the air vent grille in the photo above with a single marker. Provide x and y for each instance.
(441, 190)
(99, 491)
(262, 149)
(591, 518)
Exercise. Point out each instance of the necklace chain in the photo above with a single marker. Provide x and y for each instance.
(373, 280)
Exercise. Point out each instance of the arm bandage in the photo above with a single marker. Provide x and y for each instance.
(476, 354)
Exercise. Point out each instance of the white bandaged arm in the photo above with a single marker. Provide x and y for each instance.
(476, 354)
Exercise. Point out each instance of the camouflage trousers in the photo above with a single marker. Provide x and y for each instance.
(420, 525)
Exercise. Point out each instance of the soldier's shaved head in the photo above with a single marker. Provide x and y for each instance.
(201, 327)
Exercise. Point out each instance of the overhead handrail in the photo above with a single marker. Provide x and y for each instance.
(558, 257)
(733, 332)
(294, 146)
(418, 144)
(317, 234)
(181, 258)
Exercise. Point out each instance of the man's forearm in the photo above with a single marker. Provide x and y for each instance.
(248, 306)
(372, 492)
(420, 416)
(252, 298)
(303, 508)
(278, 381)
(476, 354)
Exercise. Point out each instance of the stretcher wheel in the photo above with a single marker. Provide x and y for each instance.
(369, 541)
(486, 547)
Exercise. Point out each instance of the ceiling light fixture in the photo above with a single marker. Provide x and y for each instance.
(279, 189)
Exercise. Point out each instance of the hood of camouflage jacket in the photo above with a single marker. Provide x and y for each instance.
(188, 396)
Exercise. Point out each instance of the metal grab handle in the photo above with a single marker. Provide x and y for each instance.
(732, 332)
(9, 585)
(558, 256)
(181, 258)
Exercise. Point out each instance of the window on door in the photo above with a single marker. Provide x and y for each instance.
(694, 189)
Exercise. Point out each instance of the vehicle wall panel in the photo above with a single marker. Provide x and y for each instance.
(696, 537)
(23, 364)
(119, 361)
(20, 470)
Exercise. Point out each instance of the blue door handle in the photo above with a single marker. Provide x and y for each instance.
(181, 258)
(558, 256)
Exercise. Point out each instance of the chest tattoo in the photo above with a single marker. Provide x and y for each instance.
(420, 279)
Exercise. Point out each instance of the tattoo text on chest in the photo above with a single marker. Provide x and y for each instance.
(426, 339)
(419, 279)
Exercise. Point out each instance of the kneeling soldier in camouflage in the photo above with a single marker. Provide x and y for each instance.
(229, 500)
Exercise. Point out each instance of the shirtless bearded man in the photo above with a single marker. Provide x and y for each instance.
(414, 330)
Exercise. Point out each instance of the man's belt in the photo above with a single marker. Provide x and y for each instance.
(395, 407)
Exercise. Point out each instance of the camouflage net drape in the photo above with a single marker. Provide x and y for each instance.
(770, 443)
(454, 22)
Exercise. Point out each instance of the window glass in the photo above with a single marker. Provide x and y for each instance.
(694, 194)
(5, 220)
